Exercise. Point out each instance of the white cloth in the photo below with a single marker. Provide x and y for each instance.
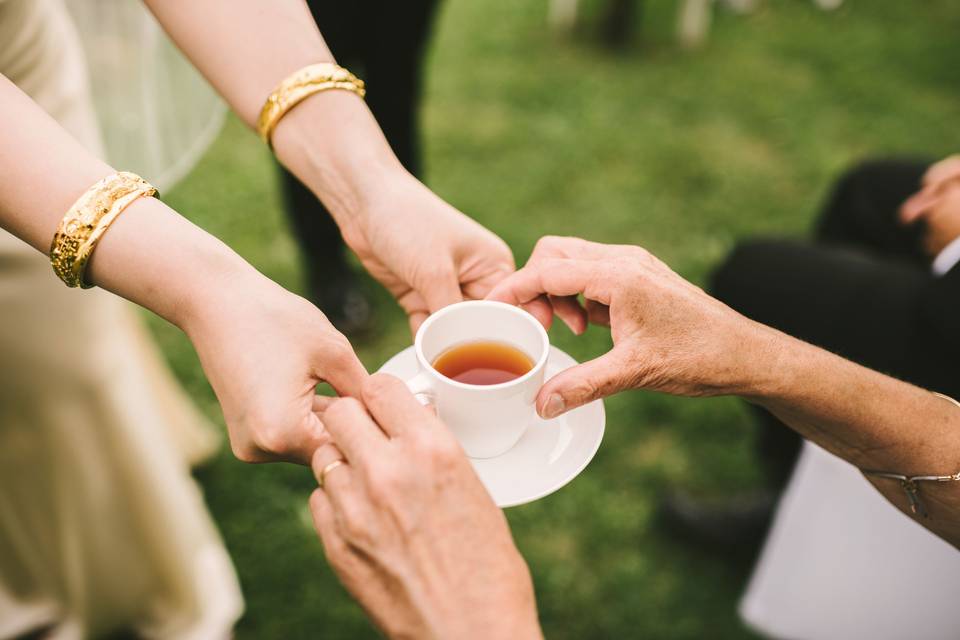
(842, 563)
(947, 259)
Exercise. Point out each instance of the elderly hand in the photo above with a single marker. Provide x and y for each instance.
(425, 252)
(668, 334)
(264, 351)
(937, 204)
(408, 527)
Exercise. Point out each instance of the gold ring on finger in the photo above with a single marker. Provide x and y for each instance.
(327, 469)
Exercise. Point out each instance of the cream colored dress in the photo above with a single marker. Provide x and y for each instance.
(101, 525)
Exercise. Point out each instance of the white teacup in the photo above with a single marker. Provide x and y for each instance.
(487, 419)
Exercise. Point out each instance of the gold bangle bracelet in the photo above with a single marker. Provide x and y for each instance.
(87, 220)
(302, 84)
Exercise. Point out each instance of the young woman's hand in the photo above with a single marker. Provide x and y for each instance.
(424, 251)
(264, 350)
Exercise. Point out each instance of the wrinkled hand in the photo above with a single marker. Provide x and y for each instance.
(408, 527)
(264, 351)
(668, 335)
(937, 205)
(425, 252)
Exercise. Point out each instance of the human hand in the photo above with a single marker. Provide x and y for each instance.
(408, 527)
(264, 350)
(937, 205)
(425, 252)
(668, 335)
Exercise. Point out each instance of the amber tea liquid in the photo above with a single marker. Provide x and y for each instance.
(483, 362)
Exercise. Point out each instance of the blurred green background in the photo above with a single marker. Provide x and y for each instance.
(681, 152)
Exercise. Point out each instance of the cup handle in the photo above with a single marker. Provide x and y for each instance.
(421, 386)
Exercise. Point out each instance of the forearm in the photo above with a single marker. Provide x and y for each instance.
(245, 48)
(150, 255)
(867, 418)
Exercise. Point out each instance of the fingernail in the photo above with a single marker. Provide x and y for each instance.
(553, 407)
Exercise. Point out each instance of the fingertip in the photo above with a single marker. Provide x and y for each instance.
(416, 319)
(501, 292)
(551, 402)
(540, 309)
(576, 323)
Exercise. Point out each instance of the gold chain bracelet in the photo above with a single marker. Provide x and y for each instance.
(909, 483)
(302, 84)
(87, 220)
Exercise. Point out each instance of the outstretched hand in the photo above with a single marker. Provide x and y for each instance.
(264, 353)
(668, 335)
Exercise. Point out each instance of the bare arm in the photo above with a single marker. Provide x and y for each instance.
(333, 144)
(670, 336)
(245, 48)
(262, 348)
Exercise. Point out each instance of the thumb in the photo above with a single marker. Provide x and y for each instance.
(583, 383)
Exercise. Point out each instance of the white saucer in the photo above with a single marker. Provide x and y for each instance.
(549, 455)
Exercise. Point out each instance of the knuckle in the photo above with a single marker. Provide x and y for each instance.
(376, 384)
(270, 439)
(584, 389)
(548, 246)
(354, 527)
(382, 485)
(339, 352)
(547, 242)
(244, 451)
(441, 451)
(341, 409)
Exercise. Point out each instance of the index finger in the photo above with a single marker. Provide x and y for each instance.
(393, 406)
(557, 277)
(353, 430)
(577, 248)
(339, 366)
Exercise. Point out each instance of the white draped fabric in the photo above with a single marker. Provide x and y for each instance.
(841, 563)
(157, 114)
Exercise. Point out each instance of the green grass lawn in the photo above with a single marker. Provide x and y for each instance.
(681, 152)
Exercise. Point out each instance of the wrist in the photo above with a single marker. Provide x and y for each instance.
(332, 143)
(762, 366)
(510, 612)
(779, 361)
(156, 258)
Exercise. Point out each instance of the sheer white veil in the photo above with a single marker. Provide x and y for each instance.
(157, 114)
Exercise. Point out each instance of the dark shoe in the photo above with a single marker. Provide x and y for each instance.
(736, 525)
(344, 303)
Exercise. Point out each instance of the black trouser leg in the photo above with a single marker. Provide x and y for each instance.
(857, 291)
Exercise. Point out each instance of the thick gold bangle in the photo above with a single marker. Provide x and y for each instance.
(87, 220)
(302, 84)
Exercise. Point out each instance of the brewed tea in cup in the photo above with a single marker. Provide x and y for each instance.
(481, 364)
